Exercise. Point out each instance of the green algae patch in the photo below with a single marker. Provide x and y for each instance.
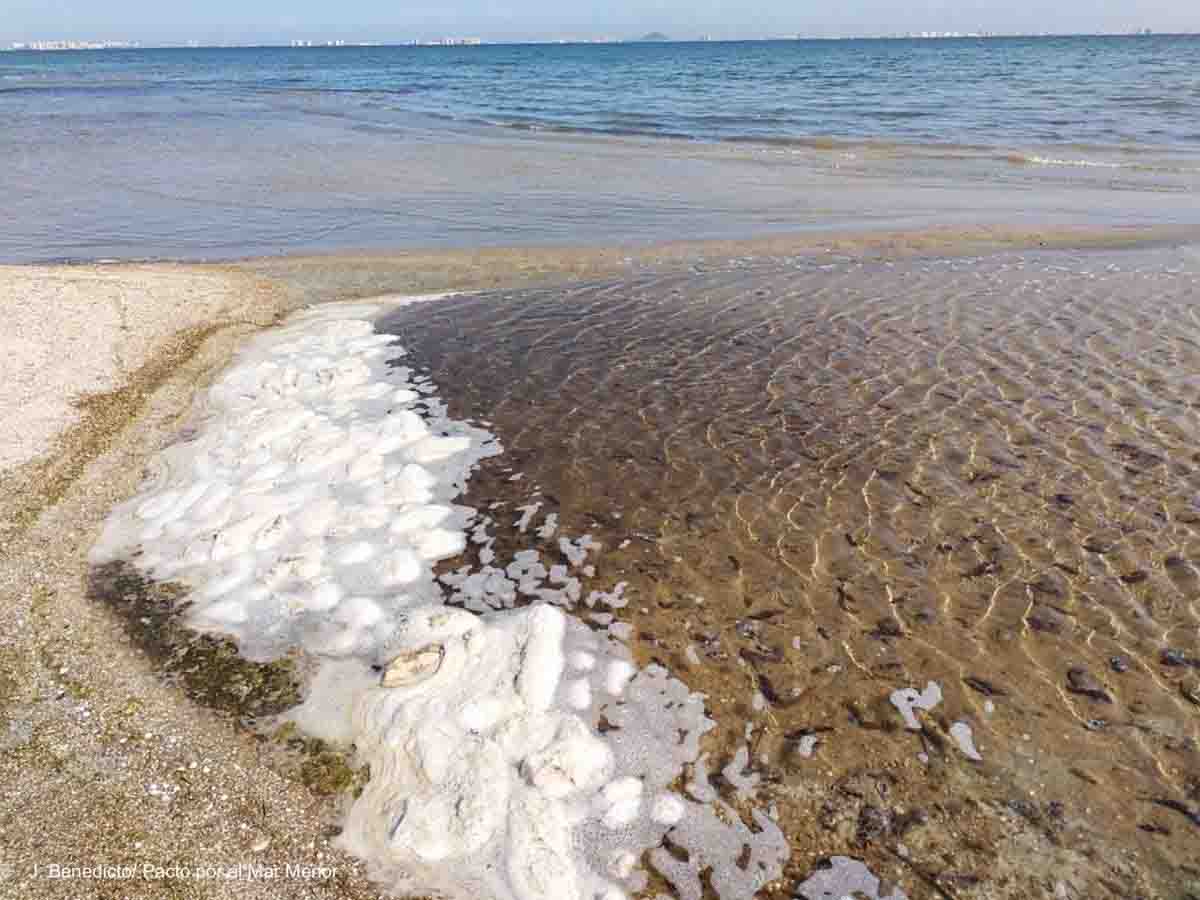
(207, 668)
(323, 768)
(327, 771)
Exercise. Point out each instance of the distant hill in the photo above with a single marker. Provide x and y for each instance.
(654, 36)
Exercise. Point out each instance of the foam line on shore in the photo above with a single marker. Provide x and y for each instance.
(306, 509)
(315, 496)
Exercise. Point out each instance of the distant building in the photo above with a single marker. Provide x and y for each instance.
(77, 45)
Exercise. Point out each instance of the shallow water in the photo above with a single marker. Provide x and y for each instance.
(827, 482)
(227, 153)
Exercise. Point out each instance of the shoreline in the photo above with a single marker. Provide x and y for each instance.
(948, 240)
(75, 690)
(339, 275)
(281, 284)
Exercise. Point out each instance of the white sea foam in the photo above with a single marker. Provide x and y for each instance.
(965, 738)
(308, 512)
(843, 877)
(1080, 163)
(908, 700)
(313, 501)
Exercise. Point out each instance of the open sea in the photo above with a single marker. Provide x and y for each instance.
(227, 152)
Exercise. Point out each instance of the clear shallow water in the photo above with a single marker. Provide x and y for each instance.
(823, 482)
(223, 152)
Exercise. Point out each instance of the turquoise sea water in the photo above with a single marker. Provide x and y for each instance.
(105, 152)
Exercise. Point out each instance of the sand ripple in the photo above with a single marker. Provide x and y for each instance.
(980, 472)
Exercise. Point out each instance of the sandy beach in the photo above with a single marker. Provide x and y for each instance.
(106, 764)
(126, 741)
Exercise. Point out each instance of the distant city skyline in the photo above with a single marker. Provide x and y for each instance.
(279, 21)
(471, 41)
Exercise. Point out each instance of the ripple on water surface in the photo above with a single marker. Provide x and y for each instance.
(826, 484)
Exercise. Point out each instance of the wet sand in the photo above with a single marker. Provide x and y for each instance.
(876, 470)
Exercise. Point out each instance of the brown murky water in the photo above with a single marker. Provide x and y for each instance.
(825, 482)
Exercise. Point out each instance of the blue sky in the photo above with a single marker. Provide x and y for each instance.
(247, 20)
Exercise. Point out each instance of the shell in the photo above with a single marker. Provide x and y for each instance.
(414, 666)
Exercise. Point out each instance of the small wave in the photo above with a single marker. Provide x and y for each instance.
(597, 130)
(59, 90)
(1022, 159)
(1156, 104)
(899, 114)
(809, 143)
(1083, 163)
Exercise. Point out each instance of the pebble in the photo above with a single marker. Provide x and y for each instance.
(1080, 681)
(1172, 657)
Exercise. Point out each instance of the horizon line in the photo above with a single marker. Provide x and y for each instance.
(308, 43)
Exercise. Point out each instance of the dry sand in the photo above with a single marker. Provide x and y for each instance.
(102, 763)
(72, 331)
(102, 759)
